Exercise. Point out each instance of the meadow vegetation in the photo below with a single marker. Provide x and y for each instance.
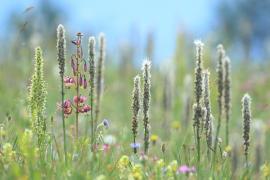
(76, 114)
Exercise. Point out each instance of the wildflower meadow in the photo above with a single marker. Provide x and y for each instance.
(71, 110)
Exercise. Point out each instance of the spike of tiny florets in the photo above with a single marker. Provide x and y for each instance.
(246, 114)
(146, 101)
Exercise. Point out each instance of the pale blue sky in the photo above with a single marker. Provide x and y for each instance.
(118, 18)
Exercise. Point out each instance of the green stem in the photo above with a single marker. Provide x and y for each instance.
(63, 118)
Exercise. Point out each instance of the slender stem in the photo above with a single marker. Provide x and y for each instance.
(227, 129)
(198, 145)
(77, 105)
(63, 118)
(92, 118)
(216, 137)
(77, 91)
(134, 144)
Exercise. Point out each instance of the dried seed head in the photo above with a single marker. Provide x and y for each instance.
(135, 105)
(227, 95)
(198, 71)
(100, 64)
(61, 49)
(207, 105)
(246, 114)
(146, 101)
(227, 86)
(220, 74)
(92, 54)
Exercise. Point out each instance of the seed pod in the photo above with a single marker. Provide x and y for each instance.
(84, 82)
(85, 66)
(81, 80)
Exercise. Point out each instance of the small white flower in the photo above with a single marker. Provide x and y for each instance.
(219, 140)
(224, 154)
(110, 139)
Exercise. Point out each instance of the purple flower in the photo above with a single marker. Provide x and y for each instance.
(184, 169)
(106, 123)
(135, 145)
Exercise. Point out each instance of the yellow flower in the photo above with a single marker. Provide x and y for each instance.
(2, 132)
(169, 171)
(160, 163)
(154, 138)
(266, 170)
(123, 162)
(176, 125)
(228, 149)
(174, 165)
(7, 150)
(101, 177)
(137, 172)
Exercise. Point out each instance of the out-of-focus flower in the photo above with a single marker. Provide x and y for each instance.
(224, 154)
(101, 177)
(135, 145)
(169, 172)
(228, 149)
(143, 157)
(8, 153)
(2, 132)
(160, 163)
(109, 139)
(106, 123)
(69, 81)
(153, 138)
(265, 170)
(174, 165)
(106, 147)
(184, 169)
(176, 125)
(123, 162)
(137, 173)
(219, 140)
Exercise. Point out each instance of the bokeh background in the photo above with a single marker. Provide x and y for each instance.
(241, 25)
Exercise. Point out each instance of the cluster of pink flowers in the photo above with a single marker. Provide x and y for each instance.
(82, 107)
(69, 81)
(79, 68)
